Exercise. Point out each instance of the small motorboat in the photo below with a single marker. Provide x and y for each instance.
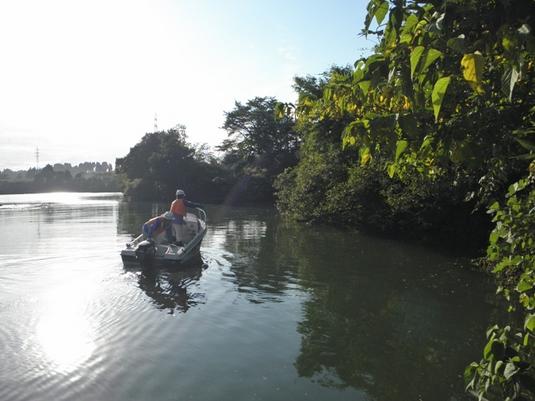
(185, 246)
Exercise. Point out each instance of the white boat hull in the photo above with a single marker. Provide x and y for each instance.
(192, 234)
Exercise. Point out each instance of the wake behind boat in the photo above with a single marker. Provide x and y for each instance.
(184, 245)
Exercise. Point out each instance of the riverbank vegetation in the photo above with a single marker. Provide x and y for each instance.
(445, 108)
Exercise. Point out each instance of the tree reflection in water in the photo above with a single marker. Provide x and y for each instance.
(397, 321)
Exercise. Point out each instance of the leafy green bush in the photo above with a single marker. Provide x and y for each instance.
(507, 370)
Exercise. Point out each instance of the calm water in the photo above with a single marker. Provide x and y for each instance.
(275, 311)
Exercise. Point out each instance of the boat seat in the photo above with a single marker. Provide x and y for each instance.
(186, 232)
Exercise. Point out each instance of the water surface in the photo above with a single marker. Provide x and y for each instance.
(274, 311)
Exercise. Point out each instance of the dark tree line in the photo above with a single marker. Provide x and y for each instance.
(258, 148)
(86, 177)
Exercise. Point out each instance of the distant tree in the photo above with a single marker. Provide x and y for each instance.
(259, 146)
(164, 161)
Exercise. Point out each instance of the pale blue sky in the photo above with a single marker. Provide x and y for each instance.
(83, 80)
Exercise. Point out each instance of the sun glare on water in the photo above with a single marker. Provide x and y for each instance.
(64, 333)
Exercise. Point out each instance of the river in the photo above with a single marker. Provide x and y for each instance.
(275, 311)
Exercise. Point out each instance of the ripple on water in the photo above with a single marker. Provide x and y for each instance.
(268, 304)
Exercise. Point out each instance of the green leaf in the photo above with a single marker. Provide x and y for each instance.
(439, 91)
(406, 31)
(416, 54)
(509, 79)
(365, 86)
(391, 36)
(348, 140)
(515, 77)
(358, 74)
(526, 144)
(509, 42)
(524, 286)
(487, 351)
(529, 324)
(510, 370)
(502, 265)
(426, 142)
(391, 170)
(515, 187)
(497, 367)
(369, 16)
(381, 11)
(410, 23)
(401, 145)
(495, 206)
(430, 56)
(365, 156)
(494, 236)
(506, 81)
(469, 371)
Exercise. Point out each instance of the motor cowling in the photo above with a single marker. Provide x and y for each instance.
(145, 251)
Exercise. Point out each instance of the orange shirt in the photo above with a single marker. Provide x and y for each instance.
(178, 207)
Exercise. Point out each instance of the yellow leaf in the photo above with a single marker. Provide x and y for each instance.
(406, 103)
(472, 66)
(365, 156)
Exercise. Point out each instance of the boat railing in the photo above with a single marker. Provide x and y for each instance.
(201, 214)
(135, 241)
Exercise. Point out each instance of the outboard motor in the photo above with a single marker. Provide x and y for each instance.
(145, 252)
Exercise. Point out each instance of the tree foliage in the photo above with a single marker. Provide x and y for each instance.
(471, 65)
(447, 95)
(339, 185)
(259, 147)
(164, 161)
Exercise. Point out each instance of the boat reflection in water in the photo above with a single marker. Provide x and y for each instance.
(171, 289)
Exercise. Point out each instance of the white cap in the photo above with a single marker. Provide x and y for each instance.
(179, 192)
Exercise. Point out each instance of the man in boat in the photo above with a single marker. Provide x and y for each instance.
(179, 205)
(179, 211)
(158, 224)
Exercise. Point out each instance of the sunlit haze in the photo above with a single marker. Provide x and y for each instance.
(83, 80)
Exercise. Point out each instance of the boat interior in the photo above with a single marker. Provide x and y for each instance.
(183, 233)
